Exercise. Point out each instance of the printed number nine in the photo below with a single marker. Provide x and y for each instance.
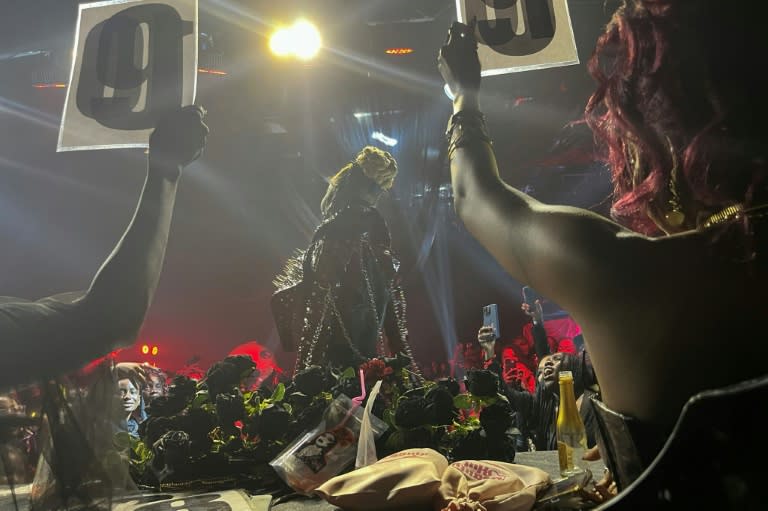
(132, 68)
(500, 32)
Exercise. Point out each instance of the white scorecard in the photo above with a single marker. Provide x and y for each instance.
(134, 61)
(520, 35)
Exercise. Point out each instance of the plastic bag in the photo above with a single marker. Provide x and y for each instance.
(326, 450)
(366, 445)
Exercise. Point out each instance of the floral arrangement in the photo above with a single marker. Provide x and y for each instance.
(212, 433)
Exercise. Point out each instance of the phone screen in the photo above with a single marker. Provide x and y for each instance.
(491, 318)
(529, 296)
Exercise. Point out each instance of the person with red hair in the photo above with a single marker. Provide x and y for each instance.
(680, 112)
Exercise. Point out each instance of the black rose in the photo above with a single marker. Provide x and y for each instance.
(399, 361)
(274, 422)
(228, 373)
(311, 415)
(410, 411)
(473, 446)
(418, 438)
(496, 419)
(182, 387)
(439, 408)
(311, 381)
(503, 448)
(153, 428)
(233, 445)
(198, 423)
(251, 425)
(172, 450)
(482, 383)
(165, 406)
(230, 408)
(451, 384)
(180, 394)
(348, 387)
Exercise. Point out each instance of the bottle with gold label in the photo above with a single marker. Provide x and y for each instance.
(571, 434)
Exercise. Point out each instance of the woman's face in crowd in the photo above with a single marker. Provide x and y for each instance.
(155, 387)
(549, 368)
(129, 395)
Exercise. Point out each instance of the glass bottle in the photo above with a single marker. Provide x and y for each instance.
(571, 434)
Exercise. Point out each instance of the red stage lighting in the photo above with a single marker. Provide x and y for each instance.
(154, 350)
(145, 349)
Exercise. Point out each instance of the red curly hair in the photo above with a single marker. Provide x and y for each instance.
(680, 109)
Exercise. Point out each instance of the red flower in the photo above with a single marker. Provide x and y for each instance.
(375, 369)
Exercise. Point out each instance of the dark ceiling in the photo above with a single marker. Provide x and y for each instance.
(278, 129)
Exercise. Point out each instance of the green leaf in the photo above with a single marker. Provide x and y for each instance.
(395, 441)
(201, 397)
(288, 408)
(278, 393)
(348, 373)
(464, 401)
(389, 417)
(487, 401)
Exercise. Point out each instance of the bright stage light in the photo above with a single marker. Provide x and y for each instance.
(448, 92)
(280, 43)
(381, 137)
(308, 40)
(301, 40)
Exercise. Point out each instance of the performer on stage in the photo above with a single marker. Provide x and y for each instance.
(339, 301)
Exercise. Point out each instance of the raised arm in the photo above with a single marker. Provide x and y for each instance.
(554, 249)
(47, 337)
(539, 333)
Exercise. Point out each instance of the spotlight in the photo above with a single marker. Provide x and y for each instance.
(154, 350)
(381, 137)
(145, 349)
(280, 43)
(448, 92)
(301, 40)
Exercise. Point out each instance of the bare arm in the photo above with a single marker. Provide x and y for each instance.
(539, 245)
(49, 336)
(554, 249)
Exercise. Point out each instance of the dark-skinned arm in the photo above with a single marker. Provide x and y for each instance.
(50, 336)
(540, 245)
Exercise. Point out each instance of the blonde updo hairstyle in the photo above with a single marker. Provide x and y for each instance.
(370, 173)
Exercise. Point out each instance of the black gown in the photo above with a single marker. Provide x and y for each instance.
(339, 302)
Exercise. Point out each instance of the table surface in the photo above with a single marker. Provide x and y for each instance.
(545, 460)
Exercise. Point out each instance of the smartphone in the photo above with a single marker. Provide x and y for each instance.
(529, 296)
(491, 318)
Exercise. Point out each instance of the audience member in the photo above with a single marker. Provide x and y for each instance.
(155, 385)
(130, 383)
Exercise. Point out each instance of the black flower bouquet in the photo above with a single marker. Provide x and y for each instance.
(214, 433)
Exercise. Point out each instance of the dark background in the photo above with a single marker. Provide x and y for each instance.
(279, 129)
